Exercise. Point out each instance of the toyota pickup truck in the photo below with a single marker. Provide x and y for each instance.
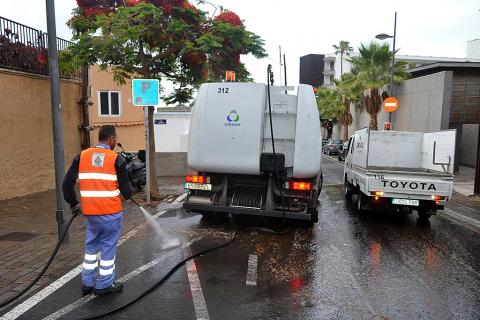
(404, 170)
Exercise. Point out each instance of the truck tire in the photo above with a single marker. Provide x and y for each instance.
(348, 191)
(424, 214)
(354, 201)
(358, 202)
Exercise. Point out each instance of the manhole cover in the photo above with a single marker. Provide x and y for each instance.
(17, 236)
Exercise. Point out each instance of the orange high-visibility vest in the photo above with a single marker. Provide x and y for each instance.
(99, 193)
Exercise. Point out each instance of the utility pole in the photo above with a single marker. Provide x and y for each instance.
(85, 126)
(392, 70)
(280, 64)
(476, 186)
(56, 116)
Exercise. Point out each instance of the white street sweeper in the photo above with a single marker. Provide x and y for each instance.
(256, 149)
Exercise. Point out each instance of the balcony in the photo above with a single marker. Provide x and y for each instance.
(26, 49)
(329, 72)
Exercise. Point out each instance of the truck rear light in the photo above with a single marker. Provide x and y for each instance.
(438, 198)
(299, 185)
(197, 179)
(377, 193)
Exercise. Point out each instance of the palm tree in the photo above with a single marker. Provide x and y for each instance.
(372, 72)
(329, 103)
(350, 94)
(344, 49)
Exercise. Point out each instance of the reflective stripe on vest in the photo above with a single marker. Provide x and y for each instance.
(99, 191)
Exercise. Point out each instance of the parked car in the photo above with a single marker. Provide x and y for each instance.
(331, 148)
(342, 152)
(324, 142)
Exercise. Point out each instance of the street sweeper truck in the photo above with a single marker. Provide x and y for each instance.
(256, 150)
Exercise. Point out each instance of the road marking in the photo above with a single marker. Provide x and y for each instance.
(158, 214)
(333, 160)
(76, 304)
(181, 197)
(196, 289)
(57, 284)
(252, 270)
(453, 215)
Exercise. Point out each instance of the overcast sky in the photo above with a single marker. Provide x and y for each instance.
(424, 27)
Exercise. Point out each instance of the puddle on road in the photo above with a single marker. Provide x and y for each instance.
(165, 206)
(165, 240)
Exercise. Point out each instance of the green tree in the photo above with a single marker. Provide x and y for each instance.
(371, 70)
(345, 50)
(330, 106)
(161, 39)
(350, 94)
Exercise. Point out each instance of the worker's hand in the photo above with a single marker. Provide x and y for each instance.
(77, 209)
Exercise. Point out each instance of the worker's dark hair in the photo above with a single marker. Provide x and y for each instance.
(106, 132)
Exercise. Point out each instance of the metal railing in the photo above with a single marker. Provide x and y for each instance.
(25, 49)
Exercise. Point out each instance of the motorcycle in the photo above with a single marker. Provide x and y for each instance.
(136, 168)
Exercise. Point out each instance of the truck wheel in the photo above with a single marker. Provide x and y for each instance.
(424, 214)
(348, 191)
(358, 202)
(355, 197)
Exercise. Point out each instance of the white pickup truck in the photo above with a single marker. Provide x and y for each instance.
(406, 170)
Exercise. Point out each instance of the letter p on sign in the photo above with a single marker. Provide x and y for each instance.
(146, 85)
(145, 92)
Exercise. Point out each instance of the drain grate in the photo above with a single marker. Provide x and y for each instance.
(18, 236)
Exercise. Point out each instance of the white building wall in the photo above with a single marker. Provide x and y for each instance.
(473, 49)
(172, 136)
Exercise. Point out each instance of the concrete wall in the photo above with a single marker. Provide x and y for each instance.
(469, 145)
(129, 124)
(424, 106)
(473, 49)
(424, 103)
(172, 136)
(172, 164)
(26, 132)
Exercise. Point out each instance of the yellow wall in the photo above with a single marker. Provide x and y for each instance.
(129, 125)
(26, 138)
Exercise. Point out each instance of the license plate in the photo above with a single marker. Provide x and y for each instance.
(406, 202)
(197, 186)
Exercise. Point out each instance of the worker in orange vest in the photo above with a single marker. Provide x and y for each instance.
(103, 177)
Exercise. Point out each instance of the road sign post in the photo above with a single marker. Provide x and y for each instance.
(145, 94)
(390, 105)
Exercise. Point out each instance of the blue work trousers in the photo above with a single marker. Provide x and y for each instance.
(101, 237)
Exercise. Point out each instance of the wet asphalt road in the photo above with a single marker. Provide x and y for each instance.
(375, 266)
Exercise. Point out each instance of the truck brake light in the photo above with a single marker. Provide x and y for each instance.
(299, 185)
(438, 198)
(377, 193)
(197, 179)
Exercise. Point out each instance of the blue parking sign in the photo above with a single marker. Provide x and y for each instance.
(145, 92)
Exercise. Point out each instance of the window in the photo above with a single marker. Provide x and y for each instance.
(109, 103)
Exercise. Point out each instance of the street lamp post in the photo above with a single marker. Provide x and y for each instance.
(383, 36)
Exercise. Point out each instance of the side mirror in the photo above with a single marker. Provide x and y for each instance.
(120, 145)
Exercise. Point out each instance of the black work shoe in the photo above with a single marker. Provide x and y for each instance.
(86, 290)
(114, 287)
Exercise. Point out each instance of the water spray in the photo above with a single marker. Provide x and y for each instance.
(166, 241)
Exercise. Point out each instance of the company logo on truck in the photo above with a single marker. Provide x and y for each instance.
(411, 185)
(232, 119)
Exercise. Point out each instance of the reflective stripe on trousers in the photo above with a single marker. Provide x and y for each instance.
(102, 234)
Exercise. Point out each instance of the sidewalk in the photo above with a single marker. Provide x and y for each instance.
(464, 181)
(28, 235)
